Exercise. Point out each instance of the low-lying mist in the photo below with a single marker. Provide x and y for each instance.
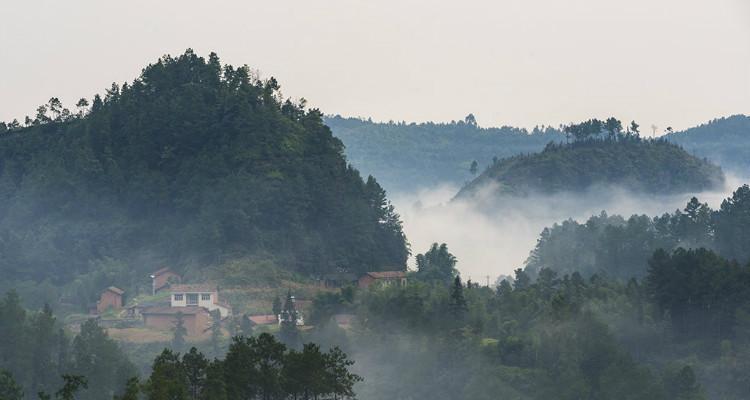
(491, 236)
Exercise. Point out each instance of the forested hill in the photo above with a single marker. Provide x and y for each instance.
(651, 166)
(618, 247)
(407, 156)
(193, 164)
(725, 141)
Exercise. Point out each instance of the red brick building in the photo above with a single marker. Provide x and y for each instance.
(162, 278)
(111, 297)
(197, 320)
(382, 278)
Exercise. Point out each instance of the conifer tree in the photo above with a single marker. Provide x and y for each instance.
(457, 305)
(179, 332)
(288, 333)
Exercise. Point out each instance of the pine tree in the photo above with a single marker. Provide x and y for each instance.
(132, 390)
(195, 365)
(216, 333)
(179, 332)
(276, 306)
(72, 384)
(457, 305)
(288, 333)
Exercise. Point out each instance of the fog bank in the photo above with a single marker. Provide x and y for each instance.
(492, 237)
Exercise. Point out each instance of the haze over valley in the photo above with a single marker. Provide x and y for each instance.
(393, 200)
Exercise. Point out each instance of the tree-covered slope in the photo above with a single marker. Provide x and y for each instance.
(407, 156)
(616, 247)
(193, 164)
(651, 166)
(725, 141)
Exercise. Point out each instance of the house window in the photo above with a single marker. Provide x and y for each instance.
(206, 296)
(178, 297)
(192, 299)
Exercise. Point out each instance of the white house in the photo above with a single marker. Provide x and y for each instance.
(198, 295)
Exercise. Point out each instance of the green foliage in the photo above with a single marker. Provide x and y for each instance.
(326, 304)
(168, 380)
(723, 140)
(179, 332)
(651, 166)
(619, 248)
(9, 389)
(38, 354)
(437, 265)
(216, 333)
(191, 164)
(263, 368)
(699, 291)
(72, 384)
(404, 156)
(132, 390)
(288, 332)
(99, 359)
(555, 337)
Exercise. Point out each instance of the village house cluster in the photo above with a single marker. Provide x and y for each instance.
(199, 304)
(196, 304)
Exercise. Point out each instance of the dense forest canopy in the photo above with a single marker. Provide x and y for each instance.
(680, 332)
(613, 246)
(192, 164)
(724, 140)
(408, 155)
(404, 156)
(601, 153)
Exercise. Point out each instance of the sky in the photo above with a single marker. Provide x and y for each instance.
(523, 63)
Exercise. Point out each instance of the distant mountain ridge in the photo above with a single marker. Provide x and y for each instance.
(725, 141)
(406, 156)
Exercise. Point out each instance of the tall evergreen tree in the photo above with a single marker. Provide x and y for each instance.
(179, 332)
(288, 332)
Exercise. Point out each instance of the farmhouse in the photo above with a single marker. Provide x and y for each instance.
(111, 298)
(198, 295)
(382, 278)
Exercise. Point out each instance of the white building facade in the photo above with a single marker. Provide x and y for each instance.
(206, 296)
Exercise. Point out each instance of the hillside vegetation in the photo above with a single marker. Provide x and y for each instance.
(610, 245)
(626, 161)
(406, 156)
(725, 141)
(193, 164)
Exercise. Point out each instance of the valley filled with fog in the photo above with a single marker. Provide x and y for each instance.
(492, 236)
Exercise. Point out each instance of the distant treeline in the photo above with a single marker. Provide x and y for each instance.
(607, 160)
(619, 248)
(35, 353)
(725, 141)
(194, 164)
(404, 156)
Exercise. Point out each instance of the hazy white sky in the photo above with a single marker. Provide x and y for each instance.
(515, 62)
